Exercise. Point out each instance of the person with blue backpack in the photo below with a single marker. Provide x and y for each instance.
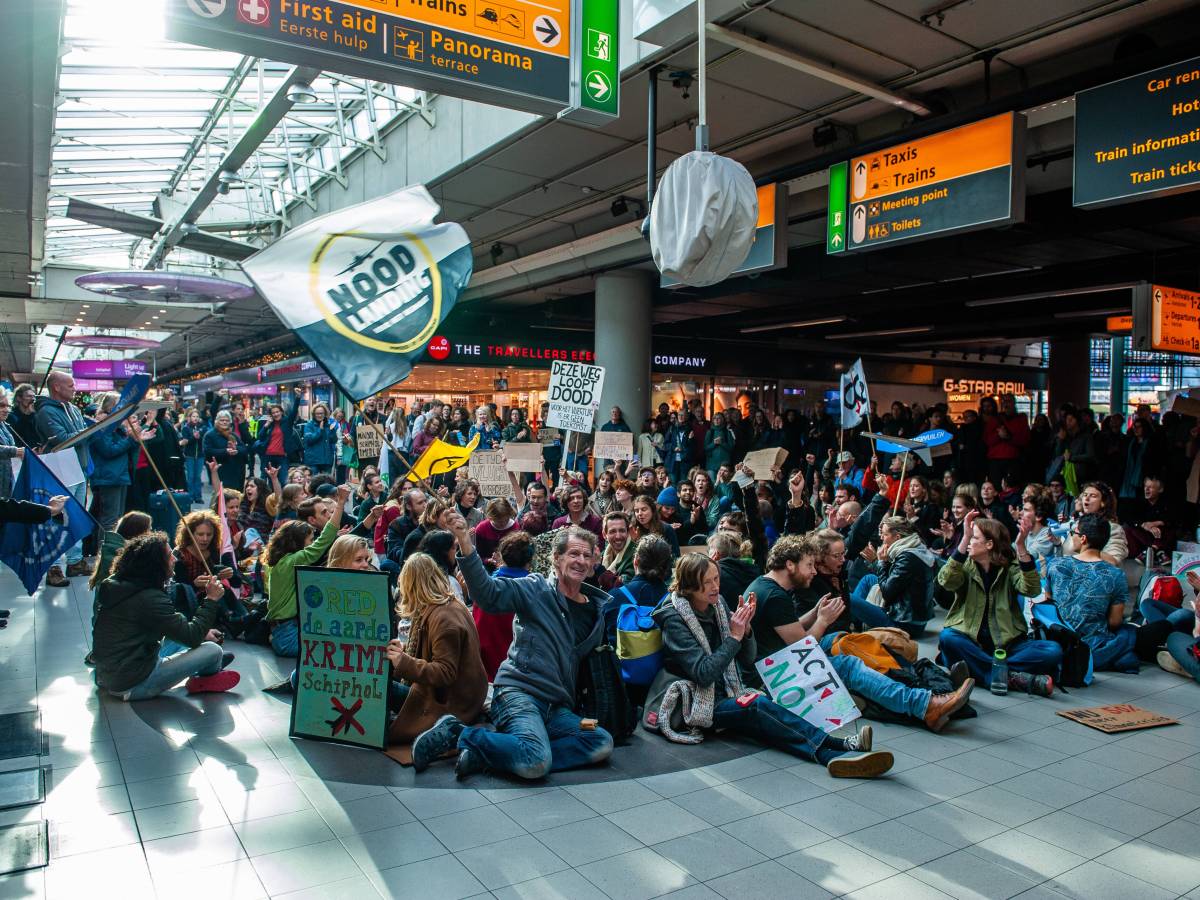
(628, 624)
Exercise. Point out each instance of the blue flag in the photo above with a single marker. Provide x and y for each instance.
(30, 550)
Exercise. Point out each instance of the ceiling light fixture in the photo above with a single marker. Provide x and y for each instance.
(1041, 295)
(302, 92)
(1093, 313)
(885, 333)
(806, 323)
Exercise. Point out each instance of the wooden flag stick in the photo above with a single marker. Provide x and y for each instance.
(900, 488)
(137, 436)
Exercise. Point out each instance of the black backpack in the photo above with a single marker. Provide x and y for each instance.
(1076, 655)
(600, 694)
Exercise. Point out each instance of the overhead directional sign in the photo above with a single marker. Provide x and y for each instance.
(1138, 137)
(1166, 319)
(514, 53)
(966, 178)
(596, 63)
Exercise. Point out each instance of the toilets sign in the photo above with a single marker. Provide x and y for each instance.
(574, 395)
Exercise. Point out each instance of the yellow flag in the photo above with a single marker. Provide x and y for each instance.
(440, 458)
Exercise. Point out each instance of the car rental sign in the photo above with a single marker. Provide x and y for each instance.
(574, 395)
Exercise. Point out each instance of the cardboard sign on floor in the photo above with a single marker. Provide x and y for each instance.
(1118, 717)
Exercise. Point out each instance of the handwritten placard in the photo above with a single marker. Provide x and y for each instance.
(761, 462)
(613, 445)
(368, 441)
(487, 467)
(523, 457)
(801, 679)
(1118, 717)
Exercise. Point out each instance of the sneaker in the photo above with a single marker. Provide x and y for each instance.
(942, 706)
(1037, 685)
(211, 684)
(861, 742)
(959, 673)
(74, 570)
(468, 764)
(90, 660)
(1168, 663)
(226, 659)
(433, 743)
(861, 765)
(56, 578)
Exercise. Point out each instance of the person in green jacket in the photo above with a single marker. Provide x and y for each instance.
(134, 616)
(718, 445)
(987, 614)
(292, 545)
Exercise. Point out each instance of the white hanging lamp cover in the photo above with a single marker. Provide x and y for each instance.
(703, 220)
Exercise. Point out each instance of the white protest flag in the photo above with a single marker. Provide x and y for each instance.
(856, 402)
(365, 287)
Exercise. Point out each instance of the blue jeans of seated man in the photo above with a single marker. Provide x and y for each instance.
(872, 616)
(1180, 647)
(1183, 620)
(1024, 655)
(1115, 653)
(169, 671)
(860, 678)
(771, 724)
(285, 638)
(534, 738)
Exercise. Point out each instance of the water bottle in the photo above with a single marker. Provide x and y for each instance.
(999, 683)
(402, 629)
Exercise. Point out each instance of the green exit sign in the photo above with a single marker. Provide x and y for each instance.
(835, 221)
(595, 63)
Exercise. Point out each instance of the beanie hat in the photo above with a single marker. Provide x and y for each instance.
(668, 496)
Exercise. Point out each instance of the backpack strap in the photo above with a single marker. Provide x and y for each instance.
(629, 598)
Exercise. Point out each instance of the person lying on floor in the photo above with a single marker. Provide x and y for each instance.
(134, 615)
(700, 686)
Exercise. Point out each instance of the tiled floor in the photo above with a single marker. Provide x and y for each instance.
(208, 797)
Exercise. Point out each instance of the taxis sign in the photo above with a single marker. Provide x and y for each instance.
(513, 53)
(958, 180)
(1166, 319)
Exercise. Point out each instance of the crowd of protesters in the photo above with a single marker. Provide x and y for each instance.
(838, 541)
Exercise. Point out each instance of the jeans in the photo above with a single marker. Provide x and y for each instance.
(872, 616)
(75, 552)
(1180, 647)
(887, 692)
(194, 466)
(168, 672)
(1116, 652)
(1156, 611)
(281, 461)
(1024, 655)
(285, 638)
(771, 724)
(535, 738)
(112, 503)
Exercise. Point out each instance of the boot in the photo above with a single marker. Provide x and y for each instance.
(1027, 683)
(942, 706)
(78, 568)
(55, 578)
(959, 673)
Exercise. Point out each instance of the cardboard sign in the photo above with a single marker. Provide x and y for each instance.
(343, 671)
(801, 679)
(1118, 717)
(574, 395)
(549, 436)
(488, 469)
(760, 462)
(613, 445)
(368, 441)
(524, 457)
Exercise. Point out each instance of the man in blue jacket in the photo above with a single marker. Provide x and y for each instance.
(537, 730)
(58, 418)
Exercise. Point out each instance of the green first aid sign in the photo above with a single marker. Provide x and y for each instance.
(343, 670)
(595, 63)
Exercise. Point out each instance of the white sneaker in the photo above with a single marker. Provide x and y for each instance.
(1168, 663)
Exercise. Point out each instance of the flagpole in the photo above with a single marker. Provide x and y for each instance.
(900, 488)
(382, 435)
(137, 436)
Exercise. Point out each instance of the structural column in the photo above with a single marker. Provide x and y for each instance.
(1070, 371)
(1116, 375)
(624, 317)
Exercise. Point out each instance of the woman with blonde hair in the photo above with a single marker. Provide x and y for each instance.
(351, 552)
(439, 667)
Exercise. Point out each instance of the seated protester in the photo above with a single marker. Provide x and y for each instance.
(534, 498)
(618, 547)
(706, 505)
(1182, 656)
(289, 500)
(646, 521)
(575, 502)
(647, 482)
(790, 568)
(293, 545)
(438, 545)
(689, 530)
(952, 525)
(1182, 617)
(369, 495)
(799, 517)
(624, 491)
(351, 551)
(920, 509)
(987, 613)
(404, 519)
(652, 561)
(667, 500)
(993, 507)
(253, 514)
(198, 555)
(499, 522)
(604, 494)
(898, 591)
(1097, 498)
(1090, 594)
(439, 667)
(841, 471)
(1150, 522)
(737, 571)
(129, 526)
(434, 518)
(534, 523)
(532, 706)
(1064, 503)
(1037, 517)
(134, 615)
(496, 629)
(466, 496)
(705, 651)
(766, 513)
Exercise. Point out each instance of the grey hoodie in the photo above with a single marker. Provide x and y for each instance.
(57, 421)
(544, 658)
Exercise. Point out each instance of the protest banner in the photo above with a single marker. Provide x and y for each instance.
(801, 679)
(1118, 717)
(761, 462)
(368, 442)
(523, 457)
(613, 445)
(574, 395)
(365, 287)
(342, 671)
(130, 401)
(440, 458)
(487, 467)
(856, 399)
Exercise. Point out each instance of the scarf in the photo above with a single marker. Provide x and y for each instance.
(697, 701)
(613, 561)
(909, 543)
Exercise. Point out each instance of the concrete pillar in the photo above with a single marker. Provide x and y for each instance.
(1116, 375)
(624, 316)
(1069, 377)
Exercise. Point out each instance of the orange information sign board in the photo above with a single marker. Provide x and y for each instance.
(1166, 319)
(1119, 324)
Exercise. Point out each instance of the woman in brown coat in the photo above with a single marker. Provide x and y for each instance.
(440, 665)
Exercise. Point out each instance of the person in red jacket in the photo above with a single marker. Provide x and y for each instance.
(1005, 435)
